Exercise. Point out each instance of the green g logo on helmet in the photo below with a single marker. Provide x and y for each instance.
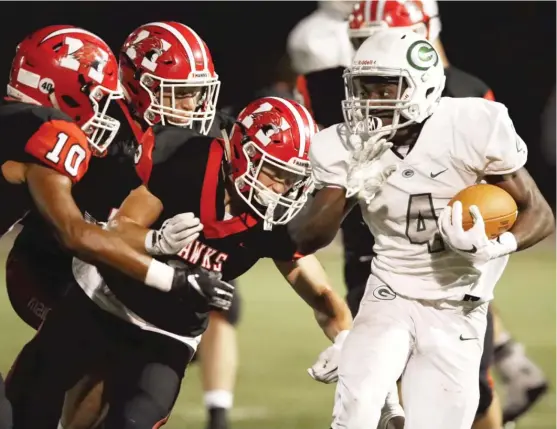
(422, 56)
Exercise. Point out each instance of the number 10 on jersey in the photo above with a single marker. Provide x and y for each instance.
(73, 159)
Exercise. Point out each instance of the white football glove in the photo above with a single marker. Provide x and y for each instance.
(326, 366)
(473, 244)
(366, 175)
(175, 234)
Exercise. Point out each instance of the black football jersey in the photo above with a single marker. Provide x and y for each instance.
(42, 135)
(108, 182)
(189, 175)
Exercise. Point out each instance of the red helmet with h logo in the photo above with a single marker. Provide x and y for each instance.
(272, 136)
(73, 70)
(168, 76)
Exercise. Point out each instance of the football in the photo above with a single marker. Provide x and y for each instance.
(496, 205)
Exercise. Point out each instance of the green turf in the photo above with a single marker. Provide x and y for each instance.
(279, 340)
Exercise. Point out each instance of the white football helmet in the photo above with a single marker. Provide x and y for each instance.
(394, 53)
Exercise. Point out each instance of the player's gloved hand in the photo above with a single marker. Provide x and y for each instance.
(208, 284)
(366, 175)
(175, 234)
(325, 369)
(473, 244)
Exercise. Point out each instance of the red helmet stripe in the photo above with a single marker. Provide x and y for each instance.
(312, 125)
(370, 13)
(379, 10)
(201, 45)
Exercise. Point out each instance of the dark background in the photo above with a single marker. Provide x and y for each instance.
(509, 45)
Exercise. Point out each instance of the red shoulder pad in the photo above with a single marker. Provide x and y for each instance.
(144, 156)
(62, 146)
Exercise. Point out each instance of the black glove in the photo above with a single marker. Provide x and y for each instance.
(208, 284)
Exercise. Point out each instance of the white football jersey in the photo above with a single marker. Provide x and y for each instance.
(464, 140)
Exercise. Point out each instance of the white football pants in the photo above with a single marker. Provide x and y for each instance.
(435, 345)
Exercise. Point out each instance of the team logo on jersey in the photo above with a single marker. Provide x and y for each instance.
(384, 293)
(407, 173)
(421, 55)
(198, 253)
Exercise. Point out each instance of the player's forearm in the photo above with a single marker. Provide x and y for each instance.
(319, 228)
(332, 314)
(129, 231)
(93, 244)
(535, 222)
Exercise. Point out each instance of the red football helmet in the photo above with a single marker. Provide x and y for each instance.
(164, 67)
(371, 15)
(272, 133)
(72, 70)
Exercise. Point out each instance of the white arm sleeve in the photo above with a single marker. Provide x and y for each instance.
(329, 156)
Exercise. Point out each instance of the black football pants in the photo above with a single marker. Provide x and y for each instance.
(142, 370)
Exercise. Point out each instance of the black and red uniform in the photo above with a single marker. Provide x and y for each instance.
(144, 369)
(39, 135)
(38, 268)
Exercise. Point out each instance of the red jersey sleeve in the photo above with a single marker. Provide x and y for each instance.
(62, 146)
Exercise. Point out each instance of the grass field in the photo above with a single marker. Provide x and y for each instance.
(279, 340)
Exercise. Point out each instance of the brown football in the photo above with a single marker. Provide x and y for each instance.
(496, 205)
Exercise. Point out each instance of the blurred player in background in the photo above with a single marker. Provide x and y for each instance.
(308, 54)
(38, 271)
(319, 51)
(424, 321)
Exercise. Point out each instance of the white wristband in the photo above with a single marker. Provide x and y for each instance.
(505, 244)
(160, 276)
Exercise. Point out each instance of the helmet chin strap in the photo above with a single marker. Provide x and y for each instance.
(226, 139)
(265, 198)
(269, 215)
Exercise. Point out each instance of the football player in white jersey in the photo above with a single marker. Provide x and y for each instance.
(404, 152)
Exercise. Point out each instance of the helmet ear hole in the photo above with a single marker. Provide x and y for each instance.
(70, 101)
